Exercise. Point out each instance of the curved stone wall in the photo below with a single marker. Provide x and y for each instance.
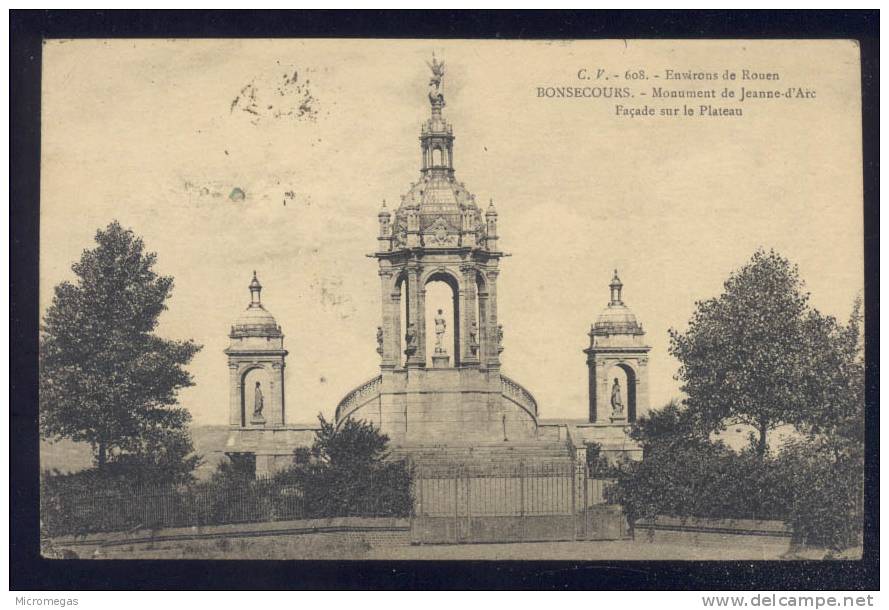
(443, 407)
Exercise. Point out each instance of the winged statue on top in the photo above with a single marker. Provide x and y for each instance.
(436, 88)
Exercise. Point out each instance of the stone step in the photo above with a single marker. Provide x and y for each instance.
(532, 454)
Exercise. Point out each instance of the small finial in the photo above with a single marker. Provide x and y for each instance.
(255, 290)
(616, 286)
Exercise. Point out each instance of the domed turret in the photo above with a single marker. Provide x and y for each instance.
(616, 318)
(618, 363)
(256, 366)
(437, 211)
(256, 321)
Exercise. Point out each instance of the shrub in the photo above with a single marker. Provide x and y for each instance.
(348, 472)
(824, 493)
(812, 486)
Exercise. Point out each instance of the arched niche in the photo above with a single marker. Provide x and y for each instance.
(249, 379)
(442, 292)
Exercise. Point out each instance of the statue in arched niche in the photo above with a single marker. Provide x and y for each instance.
(257, 401)
(617, 405)
(440, 327)
(410, 339)
(473, 337)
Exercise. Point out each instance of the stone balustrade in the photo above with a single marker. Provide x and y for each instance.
(358, 396)
(518, 394)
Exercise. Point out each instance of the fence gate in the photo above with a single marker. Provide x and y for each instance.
(459, 504)
(495, 503)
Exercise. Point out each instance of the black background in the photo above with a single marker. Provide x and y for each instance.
(29, 571)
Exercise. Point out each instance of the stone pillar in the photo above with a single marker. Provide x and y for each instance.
(234, 384)
(421, 324)
(277, 386)
(273, 413)
(591, 385)
(642, 404)
(390, 347)
(415, 317)
(483, 328)
(468, 303)
(603, 391)
(492, 334)
(396, 332)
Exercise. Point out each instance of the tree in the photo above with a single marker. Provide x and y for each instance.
(836, 415)
(752, 354)
(357, 445)
(347, 472)
(672, 424)
(105, 377)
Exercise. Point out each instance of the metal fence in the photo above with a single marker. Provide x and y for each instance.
(238, 501)
(509, 489)
(511, 502)
(490, 502)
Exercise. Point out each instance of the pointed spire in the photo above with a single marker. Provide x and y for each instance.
(384, 211)
(255, 290)
(616, 287)
(491, 210)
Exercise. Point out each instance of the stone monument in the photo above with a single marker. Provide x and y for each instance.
(256, 361)
(439, 234)
(617, 348)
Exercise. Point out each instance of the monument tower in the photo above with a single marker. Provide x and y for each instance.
(440, 377)
(618, 363)
(256, 366)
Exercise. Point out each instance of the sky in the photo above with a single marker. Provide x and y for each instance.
(166, 135)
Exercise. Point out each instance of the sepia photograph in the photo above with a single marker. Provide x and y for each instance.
(451, 299)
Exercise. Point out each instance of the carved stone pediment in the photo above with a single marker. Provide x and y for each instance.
(440, 235)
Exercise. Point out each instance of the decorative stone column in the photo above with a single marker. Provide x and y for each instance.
(389, 328)
(277, 417)
(421, 323)
(417, 358)
(484, 337)
(234, 385)
(469, 345)
(493, 331)
(396, 332)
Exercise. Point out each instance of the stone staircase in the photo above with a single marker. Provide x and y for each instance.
(482, 455)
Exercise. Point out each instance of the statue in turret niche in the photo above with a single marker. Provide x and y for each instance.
(410, 339)
(499, 338)
(380, 340)
(473, 337)
(257, 400)
(440, 327)
(617, 405)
